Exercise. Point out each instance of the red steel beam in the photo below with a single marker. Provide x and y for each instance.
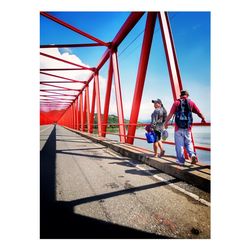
(98, 104)
(87, 106)
(65, 61)
(51, 104)
(60, 69)
(63, 88)
(141, 74)
(59, 94)
(129, 24)
(84, 113)
(92, 109)
(71, 116)
(54, 104)
(51, 100)
(118, 95)
(57, 20)
(173, 69)
(59, 90)
(43, 82)
(55, 98)
(107, 97)
(81, 113)
(73, 113)
(61, 77)
(70, 45)
(77, 114)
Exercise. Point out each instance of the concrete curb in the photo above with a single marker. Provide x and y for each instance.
(195, 174)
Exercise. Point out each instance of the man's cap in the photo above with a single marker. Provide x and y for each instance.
(184, 92)
(157, 100)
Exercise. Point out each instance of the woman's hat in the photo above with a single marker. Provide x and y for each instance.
(157, 100)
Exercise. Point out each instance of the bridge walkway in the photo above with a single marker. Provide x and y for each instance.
(90, 191)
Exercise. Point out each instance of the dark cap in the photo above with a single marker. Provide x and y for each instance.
(184, 92)
(157, 100)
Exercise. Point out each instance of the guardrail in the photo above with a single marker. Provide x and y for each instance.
(144, 139)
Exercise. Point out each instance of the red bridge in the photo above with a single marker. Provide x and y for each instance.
(109, 184)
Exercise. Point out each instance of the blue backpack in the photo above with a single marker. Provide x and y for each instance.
(183, 115)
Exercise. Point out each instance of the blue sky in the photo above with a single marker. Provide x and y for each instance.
(191, 33)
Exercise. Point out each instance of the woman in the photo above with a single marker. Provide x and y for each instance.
(157, 123)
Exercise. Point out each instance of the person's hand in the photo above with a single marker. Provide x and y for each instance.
(203, 120)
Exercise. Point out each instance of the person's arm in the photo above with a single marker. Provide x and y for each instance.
(172, 111)
(153, 120)
(197, 111)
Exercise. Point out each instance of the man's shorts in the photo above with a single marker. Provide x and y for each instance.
(158, 135)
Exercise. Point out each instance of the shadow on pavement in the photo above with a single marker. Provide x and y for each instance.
(57, 218)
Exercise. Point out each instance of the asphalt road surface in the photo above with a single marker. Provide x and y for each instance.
(89, 191)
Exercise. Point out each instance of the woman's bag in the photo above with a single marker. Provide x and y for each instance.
(151, 137)
(164, 135)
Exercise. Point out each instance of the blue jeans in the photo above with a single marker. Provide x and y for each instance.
(183, 139)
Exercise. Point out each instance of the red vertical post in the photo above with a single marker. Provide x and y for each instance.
(78, 112)
(84, 113)
(107, 98)
(98, 104)
(72, 115)
(65, 118)
(81, 113)
(87, 106)
(173, 68)
(141, 74)
(73, 111)
(118, 97)
(69, 117)
(92, 110)
(77, 115)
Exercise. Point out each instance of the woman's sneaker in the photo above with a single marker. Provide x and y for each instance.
(162, 153)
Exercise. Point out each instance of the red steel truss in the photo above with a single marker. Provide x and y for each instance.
(78, 113)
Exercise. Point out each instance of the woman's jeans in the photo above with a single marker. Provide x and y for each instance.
(183, 139)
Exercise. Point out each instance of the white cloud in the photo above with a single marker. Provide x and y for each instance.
(45, 62)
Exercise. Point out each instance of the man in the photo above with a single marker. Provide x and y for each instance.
(157, 124)
(183, 109)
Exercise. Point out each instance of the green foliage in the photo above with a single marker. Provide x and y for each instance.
(112, 119)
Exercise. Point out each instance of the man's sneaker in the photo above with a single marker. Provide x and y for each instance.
(194, 159)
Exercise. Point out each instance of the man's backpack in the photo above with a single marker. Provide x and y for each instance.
(183, 115)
